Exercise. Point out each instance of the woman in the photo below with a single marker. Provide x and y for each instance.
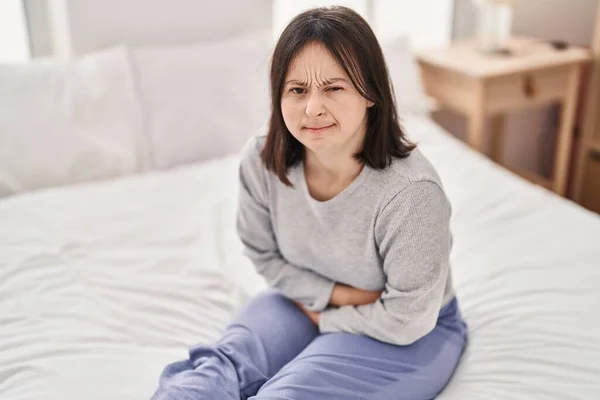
(348, 222)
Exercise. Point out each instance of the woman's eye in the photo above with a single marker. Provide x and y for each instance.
(297, 90)
(335, 89)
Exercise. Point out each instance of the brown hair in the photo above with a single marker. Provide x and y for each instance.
(353, 44)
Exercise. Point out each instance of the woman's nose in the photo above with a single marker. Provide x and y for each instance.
(314, 105)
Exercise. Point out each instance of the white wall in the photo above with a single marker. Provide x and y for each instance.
(14, 42)
(426, 22)
(285, 10)
(571, 20)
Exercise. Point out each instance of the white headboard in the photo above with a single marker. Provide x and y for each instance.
(81, 26)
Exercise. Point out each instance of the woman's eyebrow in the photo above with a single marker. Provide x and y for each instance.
(296, 82)
(333, 80)
(324, 82)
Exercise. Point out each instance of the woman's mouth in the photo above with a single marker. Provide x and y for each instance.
(318, 129)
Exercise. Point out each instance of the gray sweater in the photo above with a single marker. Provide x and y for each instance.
(388, 230)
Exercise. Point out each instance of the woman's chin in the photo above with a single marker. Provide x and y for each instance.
(315, 143)
(315, 139)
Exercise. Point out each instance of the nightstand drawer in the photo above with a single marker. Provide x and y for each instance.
(505, 93)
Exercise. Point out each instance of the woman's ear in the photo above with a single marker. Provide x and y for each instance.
(370, 104)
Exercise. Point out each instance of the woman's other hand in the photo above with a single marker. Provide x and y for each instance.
(343, 295)
(312, 315)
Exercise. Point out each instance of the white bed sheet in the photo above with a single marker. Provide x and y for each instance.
(102, 284)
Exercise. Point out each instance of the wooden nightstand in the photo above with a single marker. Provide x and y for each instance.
(480, 86)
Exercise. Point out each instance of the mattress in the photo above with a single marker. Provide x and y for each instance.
(102, 284)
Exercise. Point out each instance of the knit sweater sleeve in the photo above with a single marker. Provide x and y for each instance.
(414, 240)
(256, 232)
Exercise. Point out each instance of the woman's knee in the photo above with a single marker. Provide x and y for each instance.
(272, 297)
(268, 298)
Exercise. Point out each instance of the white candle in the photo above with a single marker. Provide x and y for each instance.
(494, 23)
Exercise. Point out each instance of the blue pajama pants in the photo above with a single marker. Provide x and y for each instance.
(273, 351)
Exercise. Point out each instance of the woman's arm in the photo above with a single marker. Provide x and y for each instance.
(256, 233)
(413, 233)
(343, 295)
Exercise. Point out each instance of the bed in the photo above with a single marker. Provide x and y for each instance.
(107, 275)
(103, 283)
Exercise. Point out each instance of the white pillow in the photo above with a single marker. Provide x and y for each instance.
(406, 76)
(63, 122)
(204, 100)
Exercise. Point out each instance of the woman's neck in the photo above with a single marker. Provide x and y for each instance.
(327, 176)
(332, 166)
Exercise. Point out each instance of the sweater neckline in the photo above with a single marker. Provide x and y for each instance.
(347, 191)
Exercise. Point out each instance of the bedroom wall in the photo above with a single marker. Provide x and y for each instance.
(13, 32)
(529, 134)
(285, 10)
(426, 22)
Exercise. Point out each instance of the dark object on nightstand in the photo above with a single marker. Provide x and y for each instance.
(559, 44)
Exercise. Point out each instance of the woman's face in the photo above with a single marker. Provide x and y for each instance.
(320, 106)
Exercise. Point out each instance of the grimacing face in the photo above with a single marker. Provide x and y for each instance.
(321, 107)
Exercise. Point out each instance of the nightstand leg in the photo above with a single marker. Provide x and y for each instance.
(497, 143)
(565, 134)
(477, 119)
(475, 133)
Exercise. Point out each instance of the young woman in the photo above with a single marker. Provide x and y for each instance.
(349, 224)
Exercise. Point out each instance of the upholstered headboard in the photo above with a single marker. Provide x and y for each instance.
(81, 26)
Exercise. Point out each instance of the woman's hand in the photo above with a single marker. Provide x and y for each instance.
(312, 315)
(343, 295)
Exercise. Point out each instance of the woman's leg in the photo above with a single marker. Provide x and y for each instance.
(267, 333)
(347, 366)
